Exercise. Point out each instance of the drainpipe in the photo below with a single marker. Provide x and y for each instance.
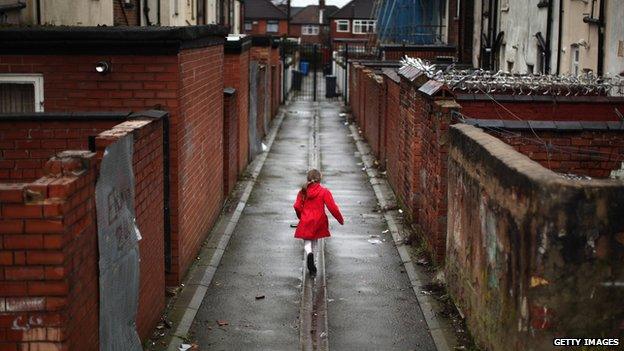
(548, 37)
(493, 31)
(38, 12)
(601, 38)
(559, 36)
(158, 11)
(146, 11)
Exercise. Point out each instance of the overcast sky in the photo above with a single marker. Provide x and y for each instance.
(338, 3)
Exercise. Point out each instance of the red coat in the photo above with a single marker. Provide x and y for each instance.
(313, 223)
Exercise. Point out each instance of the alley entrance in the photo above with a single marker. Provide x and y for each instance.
(311, 77)
(261, 296)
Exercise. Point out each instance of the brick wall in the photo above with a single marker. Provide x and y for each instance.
(230, 140)
(236, 75)
(48, 251)
(392, 127)
(531, 256)
(431, 206)
(147, 164)
(71, 83)
(126, 14)
(26, 145)
(260, 28)
(541, 108)
(354, 89)
(198, 162)
(189, 86)
(410, 134)
(373, 112)
(590, 153)
(48, 266)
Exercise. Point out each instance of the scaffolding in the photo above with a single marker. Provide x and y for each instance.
(416, 22)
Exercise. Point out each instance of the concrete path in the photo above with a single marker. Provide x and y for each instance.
(254, 300)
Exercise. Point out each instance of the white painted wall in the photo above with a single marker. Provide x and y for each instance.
(576, 31)
(476, 38)
(614, 37)
(178, 12)
(77, 13)
(521, 20)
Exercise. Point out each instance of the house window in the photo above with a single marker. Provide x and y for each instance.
(342, 26)
(248, 25)
(574, 69)
(272, 26)
(363, 26)
(309, 30)
(21, 93)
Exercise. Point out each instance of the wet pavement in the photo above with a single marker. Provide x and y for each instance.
(254, 299)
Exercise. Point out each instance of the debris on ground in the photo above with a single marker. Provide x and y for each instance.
(260, 297)
(374, 239)
(422, 262)
(222, 322)
(188, 347)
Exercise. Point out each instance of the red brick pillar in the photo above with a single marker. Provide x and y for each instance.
(49, 258)
(432, 209)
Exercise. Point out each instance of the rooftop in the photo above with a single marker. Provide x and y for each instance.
(263, 9)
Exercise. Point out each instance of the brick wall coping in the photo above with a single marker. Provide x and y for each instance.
(238, 46)
(64, 116)
(537, 98)
(414, 47)
(74, 116)
(377, 63)
(391, 73)
(108, 40)
(517, 169)
(564, 126)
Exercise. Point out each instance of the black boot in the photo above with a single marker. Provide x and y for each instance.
(311, 266)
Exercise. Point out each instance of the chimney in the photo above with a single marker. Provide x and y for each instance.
(321, 6)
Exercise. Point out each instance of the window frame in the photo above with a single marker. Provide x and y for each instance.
(575, 59)
(305, 29)
(360, 23)
(35, 79)
(272, 22)
(338, 24)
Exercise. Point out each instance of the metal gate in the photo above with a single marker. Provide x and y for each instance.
(312, 78)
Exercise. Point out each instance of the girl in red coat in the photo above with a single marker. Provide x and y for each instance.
(310, 208)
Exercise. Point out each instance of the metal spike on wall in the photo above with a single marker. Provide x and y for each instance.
(479, 80)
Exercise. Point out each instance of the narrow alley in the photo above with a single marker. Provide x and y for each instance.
(254, 299)
(157, 160)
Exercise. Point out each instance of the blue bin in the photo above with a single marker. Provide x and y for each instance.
(304, 67)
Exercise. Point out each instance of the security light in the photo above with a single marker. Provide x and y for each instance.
(102, 67)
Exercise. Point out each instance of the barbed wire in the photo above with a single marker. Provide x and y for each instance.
(479, 80)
